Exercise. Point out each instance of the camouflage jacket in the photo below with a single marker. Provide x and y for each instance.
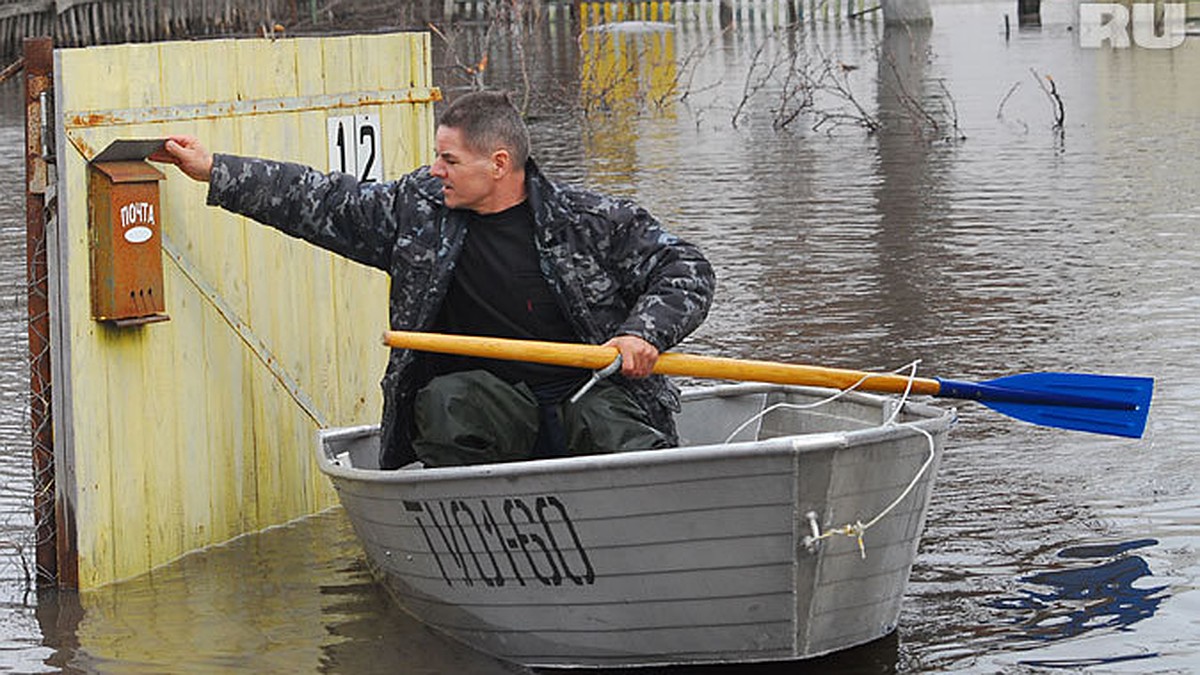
(612, 266)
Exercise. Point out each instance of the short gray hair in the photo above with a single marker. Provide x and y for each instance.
(489, 121)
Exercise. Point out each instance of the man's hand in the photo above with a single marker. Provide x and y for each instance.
(186, 153)
(637, 356)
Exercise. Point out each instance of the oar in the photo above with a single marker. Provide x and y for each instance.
(1115, 405)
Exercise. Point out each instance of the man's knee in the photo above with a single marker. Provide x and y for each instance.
(608, 419)
(474, 417)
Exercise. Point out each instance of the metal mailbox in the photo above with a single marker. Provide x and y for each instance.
(125, 240)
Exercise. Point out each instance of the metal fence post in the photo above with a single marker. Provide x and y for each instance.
(39, 89)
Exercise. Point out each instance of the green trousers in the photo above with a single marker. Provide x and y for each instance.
(475, 417)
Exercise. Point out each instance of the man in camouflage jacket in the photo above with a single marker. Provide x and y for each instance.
(614, 269)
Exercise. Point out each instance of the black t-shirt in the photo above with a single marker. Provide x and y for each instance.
(498, 290)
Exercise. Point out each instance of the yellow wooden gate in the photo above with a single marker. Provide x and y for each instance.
(176, 435)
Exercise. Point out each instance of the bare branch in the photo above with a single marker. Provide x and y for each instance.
(1056, 102)
(1003, 101)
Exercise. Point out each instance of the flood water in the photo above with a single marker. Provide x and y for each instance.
(1020, 247)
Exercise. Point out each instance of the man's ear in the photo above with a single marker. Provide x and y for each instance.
(501, 163)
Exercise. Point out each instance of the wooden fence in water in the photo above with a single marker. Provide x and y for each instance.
(725, 12)
(76, 23)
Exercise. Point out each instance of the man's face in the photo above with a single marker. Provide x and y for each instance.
(468, 180)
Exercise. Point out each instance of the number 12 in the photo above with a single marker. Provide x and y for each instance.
(354, 147)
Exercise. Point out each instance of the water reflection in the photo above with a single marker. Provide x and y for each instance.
(292, 599)
(1076, 664)
(1080, 599)
(909, 195)
(874, 658)
(627, 68)
(18, 631)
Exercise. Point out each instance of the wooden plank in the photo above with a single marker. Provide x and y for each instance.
(360, 296)
(180, 490)
(156, 443)
(57, 256)
(163, 390)
(129, 429)
(222, 260)
(83, 358)
(320, 332)
(136, 426)
(229, 362)
(310, 66)
(423, 117)
(226, 353)
(390, 63)
(275, 283)
(324, 381)
(197, 485)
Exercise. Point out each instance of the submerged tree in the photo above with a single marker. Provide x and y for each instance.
(631, 67)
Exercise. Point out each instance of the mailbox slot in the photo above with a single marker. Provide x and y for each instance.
(125, 241)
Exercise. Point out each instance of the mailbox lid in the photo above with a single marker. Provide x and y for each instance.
(129, 171)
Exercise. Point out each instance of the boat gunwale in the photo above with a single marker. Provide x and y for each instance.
(934, 420)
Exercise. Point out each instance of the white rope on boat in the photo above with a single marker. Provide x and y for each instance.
(858, 529)
(912, 368)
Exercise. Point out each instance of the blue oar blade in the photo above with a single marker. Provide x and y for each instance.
(1127, 423)
(1102, 404)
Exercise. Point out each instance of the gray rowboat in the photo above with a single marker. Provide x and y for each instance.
(732, 548)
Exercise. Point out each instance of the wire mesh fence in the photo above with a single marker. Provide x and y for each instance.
(18, 540)
(27, 508)
(40, 418)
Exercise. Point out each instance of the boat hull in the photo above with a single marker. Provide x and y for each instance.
(700, 554)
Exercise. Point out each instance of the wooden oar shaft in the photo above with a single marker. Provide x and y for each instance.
(595, 357)
(715, 367)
